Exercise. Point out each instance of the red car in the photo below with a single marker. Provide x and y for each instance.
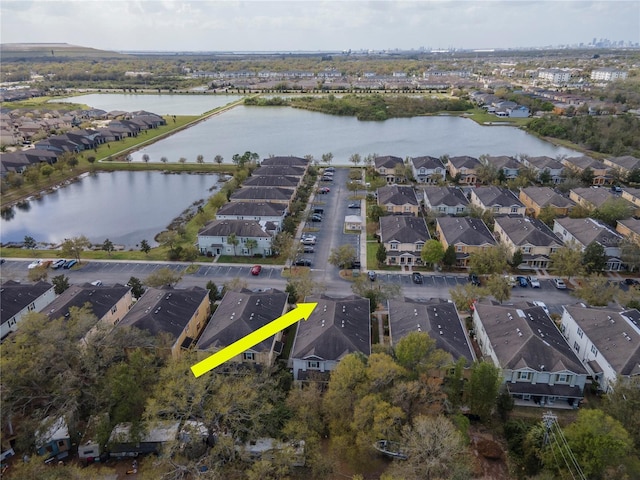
(256, 269)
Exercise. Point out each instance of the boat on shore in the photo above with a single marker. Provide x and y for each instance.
(391, 449)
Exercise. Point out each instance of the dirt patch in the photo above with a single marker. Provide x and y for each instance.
(489, 455)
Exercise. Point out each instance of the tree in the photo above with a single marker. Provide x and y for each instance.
(432, 252)
(449, 258)
(189, 253)
(464, 296)
(516, 258)
(375, 212)
(545, 177)
(566, 261)
(29, 242)
(169, 239)
(381, 254)
(327, 157)
(60, 283)
(435, 449)
(417, 351)
(137, 289)
(145, 158)
(487, 173)
(547, 215)
(218, 159)
(145, 247)
(164, 159)
(302, 284)
(622, 402)
(499, 287)
(251, 244)
(37, 274)
(489, 260)
(342, 256)
(612, 210)
(630, 254)
(232, 239)
(162, 277)
(47, 170)
(596, 290)
(483, 389)
(200, 158)
(355, 159)
(73, 247)
(376, 293)
(594, 258)
(107, 246)
(586, 177)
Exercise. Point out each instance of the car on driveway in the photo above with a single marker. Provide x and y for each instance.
(354, 205)
(416, 277)
(559, 283)
(302, 262)
(330, 169)
(256, 269)
(533, 281)
(522, 281)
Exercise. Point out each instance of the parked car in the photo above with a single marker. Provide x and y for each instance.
(58, 264)
(308, 241)
(559, 283)
(355, 265)
(325, 178)
(323, 190)
(69, 264)
(542, 305)
(330, 169)
(316, 217)
(372, 275)
(473, 278)
(416, 277)
(302, 262)
(354, 205)
(256, 269)
(319, 210)
(631, 281)
(96, 283)
(522, 281)
(308, 249)
(34, 264)
(511, 280)
(533, 281)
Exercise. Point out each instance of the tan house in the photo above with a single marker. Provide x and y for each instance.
(629, 228)
(498, 200)
(537, 198)
(391, 168)
(181, 313)
(624, 164)
(531, 236)
(241, 313)
(466, 166)
(466, 234)
(398, 200)
(601, 172)
(590, 198)
(632, 195)
(403, 237)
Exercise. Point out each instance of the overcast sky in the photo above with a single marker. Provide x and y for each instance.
(312, 25)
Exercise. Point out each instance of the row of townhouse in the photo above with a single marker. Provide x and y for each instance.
(540, 364)
(255, 212)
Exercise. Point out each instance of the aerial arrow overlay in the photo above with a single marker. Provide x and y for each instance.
(302, 311)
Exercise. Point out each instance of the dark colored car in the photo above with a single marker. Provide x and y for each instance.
(302, 262)
(522, 281)
(316, 217)
(631, 281)
(416, 277)
(70, 264)
(354, 205)
(473, 278)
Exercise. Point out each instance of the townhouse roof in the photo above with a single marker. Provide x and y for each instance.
(465, 230)
(449, 196)
(165, 310)
(436, 317)
(588, 230)
(336, 328)
(266, 209)
(279, 170)
(527, 231)
(262, 193)
(241, 228)
(101, 299)
(15, 297)
(503, 161)
(397, 195)
(241, 313)
(544, 162)
(543, 196)
(595, 196)
(465, 162)
(583, 162)
(271, 181)
(403, 229)
(290, 161)
(613, 334)
(523, 337)
(492, 196)
(426, 162)
(632, 224)
(627, 162)
(387, 161)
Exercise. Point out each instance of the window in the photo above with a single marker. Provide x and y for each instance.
(458, 248)
(524, 375)
(526, 249)
(31, 307)
(248, 356)
(594, 350)
(394, 246)
(514, 209)
(313, 365)
(576, 347)
(114, 309)
(61, 443)
(562, 378)
(580, 332)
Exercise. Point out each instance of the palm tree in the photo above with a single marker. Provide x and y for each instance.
(232, 239)
(251, 243)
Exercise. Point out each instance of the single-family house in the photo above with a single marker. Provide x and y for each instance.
(498, 200)
(536, 198)
(403, 238)
(531, 236)
(606, 341)
(391, 168)
(269, 449)
(437, 317)
(585, 231)
(52, 438)
(466, 234)
(213, 238)
(554, 168)
(519, 111)
(269, 212)
(538, 366)
(428, 169)
(590, 198)
(445, 200)
(180, 312)
(241, 313)
(630, 229)
(464, 167)
(17, 299)
(263, 194)
(126, 442)
(336, 328)
(601, 172)
(398, 200)
(509, 166)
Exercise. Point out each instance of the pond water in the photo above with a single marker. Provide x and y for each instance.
(125, 207)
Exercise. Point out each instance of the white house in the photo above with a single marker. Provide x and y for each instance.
(19, 299)
(606, 341)
(213, 239)
(267, 212)
(427, 169)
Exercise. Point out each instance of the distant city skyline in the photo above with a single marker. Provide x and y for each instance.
(224, 25)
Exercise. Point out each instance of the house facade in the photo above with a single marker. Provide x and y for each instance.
(536, 198)
(467, 235)
(538, 366)
(426, 169)
(390, 168)
(510, 166)
(498, 200)
(19, 299)
(262, 213)
(630, 229)
(606, 341)
(554, 168)
(466, 167)
(601, 172)
(336, 328)
(445, 200)
(213, 238)
(532, 237)
(403, 238)
(398, 200)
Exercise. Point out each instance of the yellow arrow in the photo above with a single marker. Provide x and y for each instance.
(302, 311)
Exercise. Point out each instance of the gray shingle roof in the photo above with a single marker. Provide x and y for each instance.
(101, 298)
(241, 228)
(272, 181)
(627, 162)
(439, 318)
(427, 162)
(397, 195)
(496, 196)
(262, 193)
(14, 297)
(241, 313)
(595, 196)
(544, 196)
(544, 162)
(387, 161)
(288, 161)
(403, 229)
(528, 231)
(503, 161)
(449, 196)
(337, 327)
(465, 161)
(465, 230)
(587, 230)
(253, 209)
(280, 170)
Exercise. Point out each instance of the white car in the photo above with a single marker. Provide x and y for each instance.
(534, 282)
(542, 305)
(560, 285)
(96, 283)
(34, 264)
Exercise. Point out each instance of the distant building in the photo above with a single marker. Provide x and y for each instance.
(608, 74)
(555, 76)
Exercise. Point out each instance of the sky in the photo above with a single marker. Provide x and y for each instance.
(314, 25)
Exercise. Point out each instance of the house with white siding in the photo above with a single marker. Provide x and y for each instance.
(213, 238)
